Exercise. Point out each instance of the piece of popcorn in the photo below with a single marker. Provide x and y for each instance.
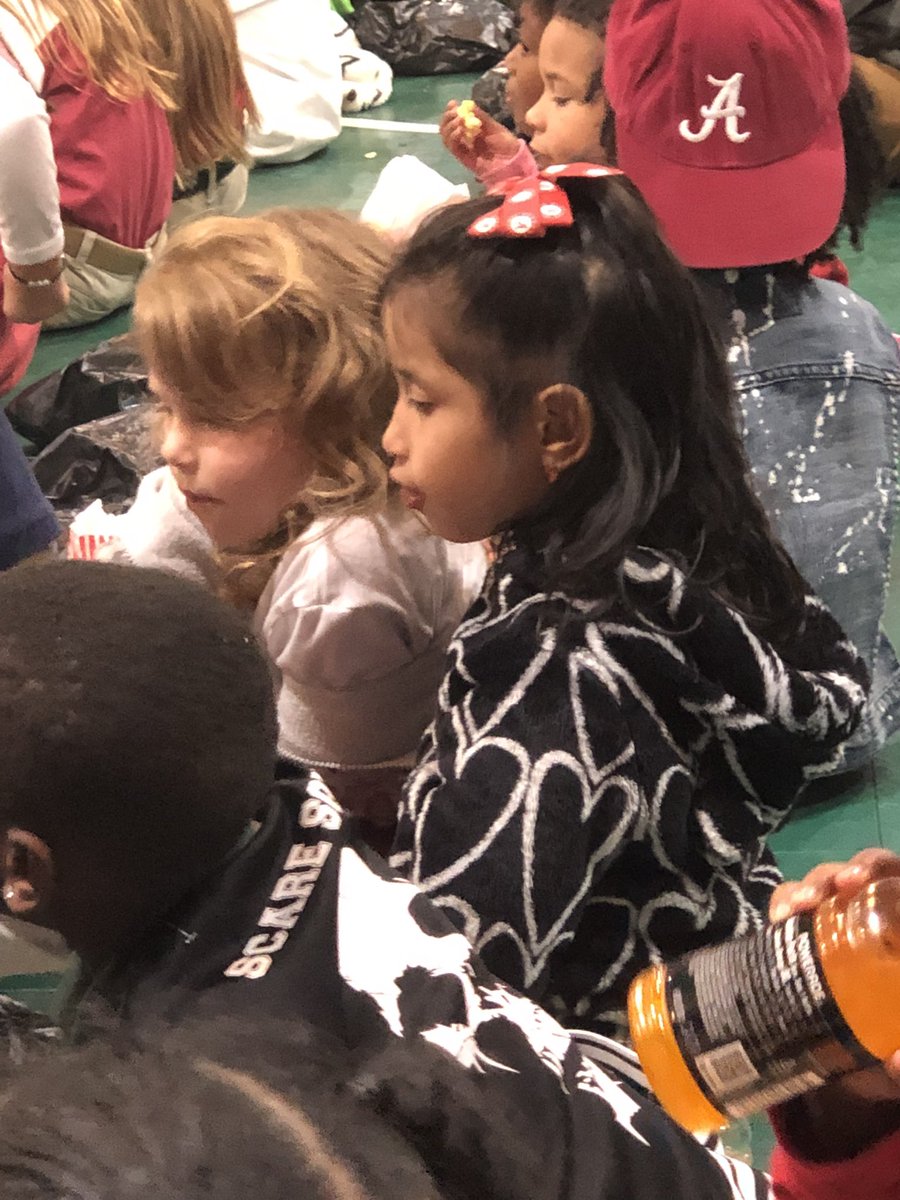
(471, 123)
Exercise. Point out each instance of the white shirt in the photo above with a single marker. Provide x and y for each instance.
(293, 68)
(30, 225)
(355, 620)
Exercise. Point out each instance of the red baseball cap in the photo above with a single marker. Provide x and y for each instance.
(727, 120)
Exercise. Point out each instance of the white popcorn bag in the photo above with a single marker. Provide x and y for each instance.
(91, 530)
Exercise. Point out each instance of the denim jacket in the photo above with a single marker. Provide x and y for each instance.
(818, 380)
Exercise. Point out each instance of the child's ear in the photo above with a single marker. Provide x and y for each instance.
(27, 873)
(566, 427)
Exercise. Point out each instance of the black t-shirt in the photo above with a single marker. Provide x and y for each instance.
(302, 922)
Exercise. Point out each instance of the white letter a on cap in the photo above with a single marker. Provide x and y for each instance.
(726, 107)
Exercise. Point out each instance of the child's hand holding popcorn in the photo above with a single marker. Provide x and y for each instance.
(472, 136)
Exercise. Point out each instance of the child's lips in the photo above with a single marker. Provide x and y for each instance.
(413, 499)
(198, 498)
(410, 496)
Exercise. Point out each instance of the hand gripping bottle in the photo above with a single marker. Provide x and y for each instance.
(732, 1029)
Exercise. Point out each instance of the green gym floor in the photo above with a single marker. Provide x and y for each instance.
(868, 813)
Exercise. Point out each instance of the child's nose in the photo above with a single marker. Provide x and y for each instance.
(177, 447)
(535, 115)
(512, 57)
(392, 442)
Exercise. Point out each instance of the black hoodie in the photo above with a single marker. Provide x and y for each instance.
(596, 792)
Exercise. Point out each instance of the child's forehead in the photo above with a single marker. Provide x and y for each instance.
(569, 51)
(409, 314)
(529, 21)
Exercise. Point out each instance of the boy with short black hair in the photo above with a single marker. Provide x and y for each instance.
(219, 1109)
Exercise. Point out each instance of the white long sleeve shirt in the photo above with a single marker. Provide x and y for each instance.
(30, 225)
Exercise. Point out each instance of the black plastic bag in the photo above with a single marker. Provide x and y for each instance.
(436, 37)
(104, 381)
(102, 460)
(489, 93)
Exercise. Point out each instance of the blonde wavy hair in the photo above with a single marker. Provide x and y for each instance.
(278, 314)
(211, 101)
(112, 39)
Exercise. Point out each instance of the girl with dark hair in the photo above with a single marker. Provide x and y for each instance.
(644, 686)
(555, 93)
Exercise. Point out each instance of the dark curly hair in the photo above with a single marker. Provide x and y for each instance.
(866, 166)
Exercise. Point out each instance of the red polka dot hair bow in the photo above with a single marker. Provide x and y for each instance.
(532, 206)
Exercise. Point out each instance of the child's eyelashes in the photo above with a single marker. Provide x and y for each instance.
(165, 411)
(422, 407)
(404, 386)
(562, 101)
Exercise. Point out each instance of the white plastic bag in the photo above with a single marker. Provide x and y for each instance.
(406, 191)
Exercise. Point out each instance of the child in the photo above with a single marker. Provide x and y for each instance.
(644, 687)
(292, 61)
(523, 86)
(274, 388)
(866, 176)
(265, 1108)
(567, 109)
(747, 196)
(567, 119)
(138, 817)
(90, 62)
(496, 151)
(401, 1122)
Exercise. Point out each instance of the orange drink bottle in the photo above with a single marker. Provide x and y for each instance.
(730, 1030)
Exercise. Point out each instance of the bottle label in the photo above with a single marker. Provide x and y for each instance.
(755, 1021)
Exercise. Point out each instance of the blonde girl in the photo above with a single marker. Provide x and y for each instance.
(91, 70)
(262, 341)
(212, 104)
(118, 80)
